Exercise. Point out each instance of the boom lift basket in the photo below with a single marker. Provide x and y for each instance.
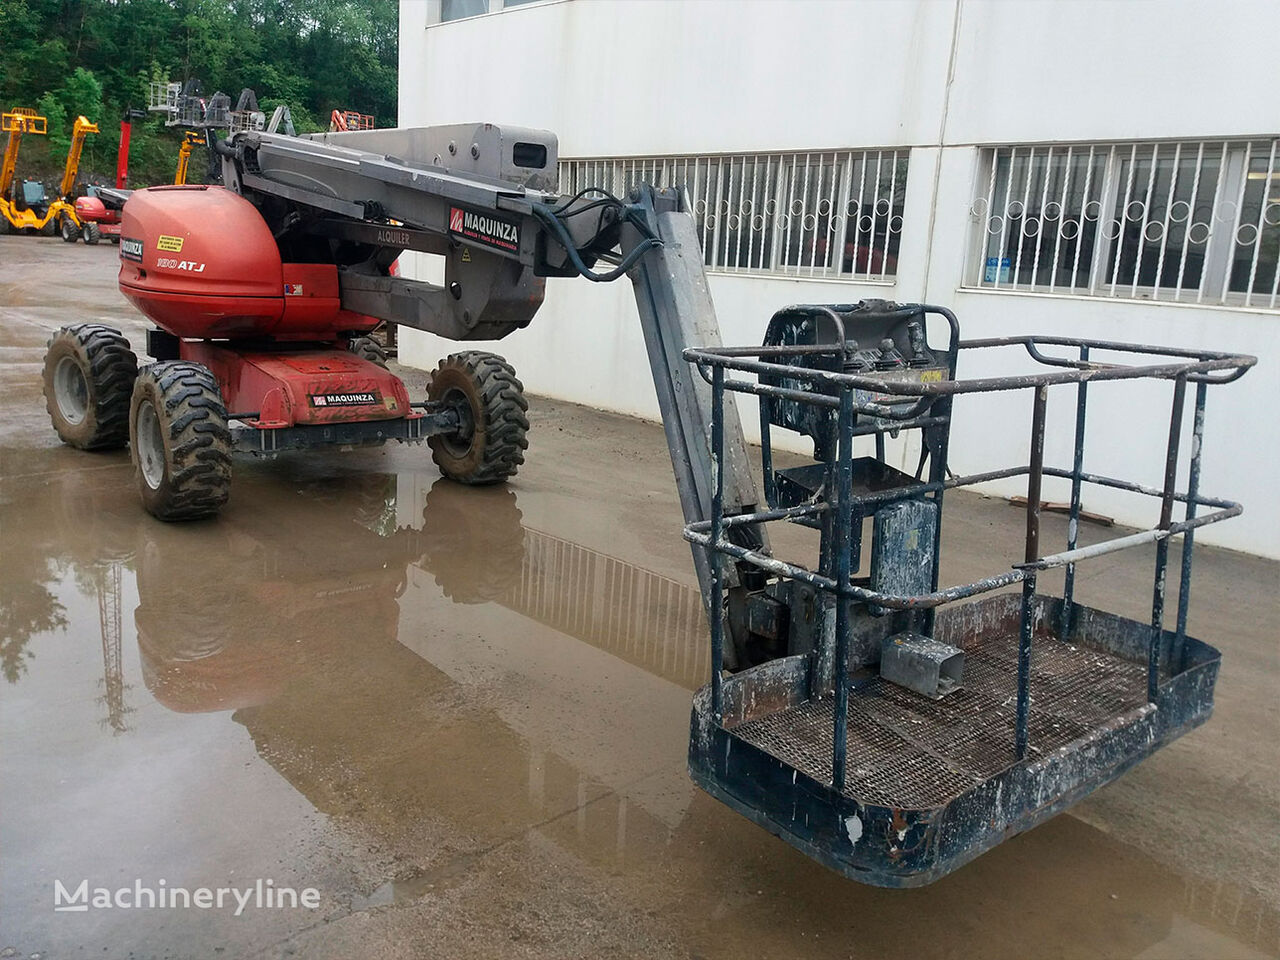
(895, 768)
(164, 97)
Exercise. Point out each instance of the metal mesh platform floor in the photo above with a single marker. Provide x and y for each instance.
(908, 751)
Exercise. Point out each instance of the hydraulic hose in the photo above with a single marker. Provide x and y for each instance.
(551, 220)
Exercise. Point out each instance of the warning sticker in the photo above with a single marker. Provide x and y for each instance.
(485, 229)
(345, 399)
(172, 244)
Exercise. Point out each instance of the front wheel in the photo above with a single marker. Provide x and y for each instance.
(180, 442)
(488, 445)
(70, 229)
(92, 233)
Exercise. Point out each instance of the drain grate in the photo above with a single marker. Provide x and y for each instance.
(905, 750)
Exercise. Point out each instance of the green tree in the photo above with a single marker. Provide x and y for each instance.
(50, 107)
(81, 95)
(97, 57)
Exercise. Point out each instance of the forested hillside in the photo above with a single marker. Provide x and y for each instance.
(97, 57)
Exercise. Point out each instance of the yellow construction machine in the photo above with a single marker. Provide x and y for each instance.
(16, 212)
(190, 140)
(27, 207)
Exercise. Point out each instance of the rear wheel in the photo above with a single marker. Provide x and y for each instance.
(88, 376)
(369, 349)
(5, 226)
(49, 229)
(91, 232)
(180, 442)
(489, 444)
(70, 230)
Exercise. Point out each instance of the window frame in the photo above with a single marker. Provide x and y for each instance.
(435, 10)
(773, 246)
(1235, 156)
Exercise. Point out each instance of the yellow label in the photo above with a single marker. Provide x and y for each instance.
(930, 376)
(172, 244)
(466, 254)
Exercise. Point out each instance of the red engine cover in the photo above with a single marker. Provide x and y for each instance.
(201, 262)
(91, 208)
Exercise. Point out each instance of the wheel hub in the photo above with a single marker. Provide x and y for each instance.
(71, 391)
(459, 441)
(150, 445)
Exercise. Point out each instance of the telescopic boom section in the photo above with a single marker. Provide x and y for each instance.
(486, 199)
(79, 131)
(122, 154)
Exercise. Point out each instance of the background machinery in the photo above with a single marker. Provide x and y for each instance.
(190, 140)
(122, 154)
(856, 708)
(185, 105)
(341, 120)
(26, 206)
(69, 223)
(16, 211)
(102, 205)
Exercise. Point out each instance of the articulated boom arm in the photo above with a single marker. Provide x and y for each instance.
(79, 130)
(485, 199)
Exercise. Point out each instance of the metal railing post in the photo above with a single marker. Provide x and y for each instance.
(713, 555)
(840, 554)
(1073, 522)
(766, 450)
(1035, 477)
(1035, 474)
(1024, 666)
(1178, 658)
(1162, 546)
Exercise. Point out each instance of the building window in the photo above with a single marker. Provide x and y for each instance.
(461, 9)
(1191, 221)
(835, 214)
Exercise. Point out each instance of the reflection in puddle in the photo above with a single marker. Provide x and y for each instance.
(107, 586)
(434, 672)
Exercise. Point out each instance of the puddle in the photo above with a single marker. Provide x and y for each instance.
(403, 687)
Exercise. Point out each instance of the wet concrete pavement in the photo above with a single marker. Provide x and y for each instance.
(461, 715)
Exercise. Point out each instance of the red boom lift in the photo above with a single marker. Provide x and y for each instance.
(848, 725)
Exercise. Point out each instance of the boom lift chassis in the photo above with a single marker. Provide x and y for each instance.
(841, 713)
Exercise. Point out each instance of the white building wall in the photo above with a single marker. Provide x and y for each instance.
(643, 77)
